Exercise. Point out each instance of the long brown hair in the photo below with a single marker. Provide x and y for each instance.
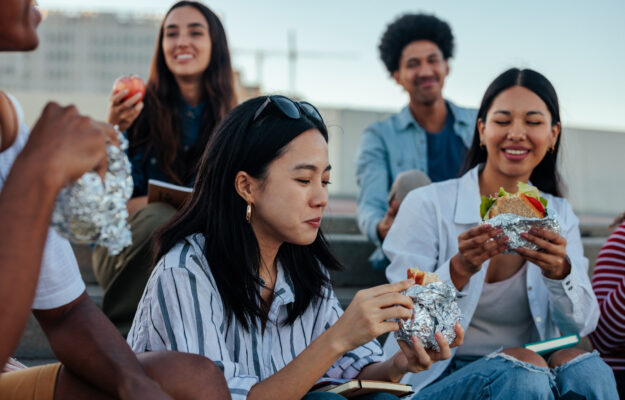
(158, 129)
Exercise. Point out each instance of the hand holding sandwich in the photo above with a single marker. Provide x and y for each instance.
(474, 247)
(552, 259)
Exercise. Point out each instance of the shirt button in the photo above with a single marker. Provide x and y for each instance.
(153, 161)
(538, 320)
(529, 288)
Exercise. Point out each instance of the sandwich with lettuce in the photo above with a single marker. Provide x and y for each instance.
(526, 202)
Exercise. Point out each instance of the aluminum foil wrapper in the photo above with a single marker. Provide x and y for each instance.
(90, 211)
(513, 225)
(434, 310)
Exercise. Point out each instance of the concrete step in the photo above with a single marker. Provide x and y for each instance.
(339, 223)
(595, 229)
(347, 223)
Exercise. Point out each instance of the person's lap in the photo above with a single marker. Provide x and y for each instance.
(29, 383)
(503, 376)
(124, 276)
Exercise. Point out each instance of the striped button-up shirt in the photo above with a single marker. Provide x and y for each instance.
(181, 310)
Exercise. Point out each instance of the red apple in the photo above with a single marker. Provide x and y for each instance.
(132, 83)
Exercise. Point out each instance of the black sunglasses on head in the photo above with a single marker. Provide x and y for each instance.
(290, 108)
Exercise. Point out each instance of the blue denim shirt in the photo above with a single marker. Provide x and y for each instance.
(145, 167)
(388, 148)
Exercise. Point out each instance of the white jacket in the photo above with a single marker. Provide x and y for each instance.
(425, 234)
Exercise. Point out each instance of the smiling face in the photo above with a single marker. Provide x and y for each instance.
(186, 42)
(19, 20)
(288, 203)
(422, 72)
(517, 133)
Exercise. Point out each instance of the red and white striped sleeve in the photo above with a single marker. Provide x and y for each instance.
(608, 284)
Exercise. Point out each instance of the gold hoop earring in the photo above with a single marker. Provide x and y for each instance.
(248, 212)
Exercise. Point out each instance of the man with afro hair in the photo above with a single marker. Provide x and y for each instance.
(426, 141)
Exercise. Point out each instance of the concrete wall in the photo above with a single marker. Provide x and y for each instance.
(593, 167)
(593, 161)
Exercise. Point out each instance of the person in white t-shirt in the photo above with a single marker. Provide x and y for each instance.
(38, 268)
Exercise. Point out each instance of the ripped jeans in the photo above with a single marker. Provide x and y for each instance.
(500, 376)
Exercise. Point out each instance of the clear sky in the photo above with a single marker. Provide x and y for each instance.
(578, 45)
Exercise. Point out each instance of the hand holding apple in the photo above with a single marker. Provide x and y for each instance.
(126, 101)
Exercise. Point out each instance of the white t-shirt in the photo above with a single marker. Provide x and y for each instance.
(59, 280)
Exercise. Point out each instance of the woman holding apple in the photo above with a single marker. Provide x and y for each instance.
(189, 90)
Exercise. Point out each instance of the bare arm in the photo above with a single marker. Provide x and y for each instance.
(62, 146)
(85, 341)
(26, 204)
(367, 317)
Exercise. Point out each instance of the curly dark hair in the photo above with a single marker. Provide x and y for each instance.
(410, 27)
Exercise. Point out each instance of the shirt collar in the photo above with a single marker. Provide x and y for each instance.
(405, 119)
(283, 288)
(460, 114)
(468, 198)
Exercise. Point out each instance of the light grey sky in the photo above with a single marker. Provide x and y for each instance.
(577, 44)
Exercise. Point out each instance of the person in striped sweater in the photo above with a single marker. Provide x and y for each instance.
(608, 282)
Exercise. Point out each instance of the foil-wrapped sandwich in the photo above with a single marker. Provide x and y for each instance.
(434, 309)
(90, 211)
(518, 213)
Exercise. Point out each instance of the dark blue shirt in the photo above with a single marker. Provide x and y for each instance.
(146, 167)
(446, 152)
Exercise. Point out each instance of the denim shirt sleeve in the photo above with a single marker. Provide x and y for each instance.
(373, 178)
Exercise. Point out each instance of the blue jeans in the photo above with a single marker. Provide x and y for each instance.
(499, 376)
(333, 396)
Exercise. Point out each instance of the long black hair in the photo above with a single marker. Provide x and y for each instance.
(158, 128)
(217, 211)
(545, 175)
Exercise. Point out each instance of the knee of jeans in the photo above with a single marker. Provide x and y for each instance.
(523, 377)
(588, 360)
(526, 356)
(563, 356)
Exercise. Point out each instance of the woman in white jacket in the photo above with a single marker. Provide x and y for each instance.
(507, 300)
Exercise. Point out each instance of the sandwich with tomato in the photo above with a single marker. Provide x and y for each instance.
(526, 202)
(421, 277)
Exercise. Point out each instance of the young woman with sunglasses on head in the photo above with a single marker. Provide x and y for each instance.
(242, 270)
(189, 91)
(508, 300)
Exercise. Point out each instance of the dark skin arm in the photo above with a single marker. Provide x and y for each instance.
(25, 207)
(62, 146)
(88, 345)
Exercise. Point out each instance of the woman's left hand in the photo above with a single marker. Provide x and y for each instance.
(552, 259)
(415, 358)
